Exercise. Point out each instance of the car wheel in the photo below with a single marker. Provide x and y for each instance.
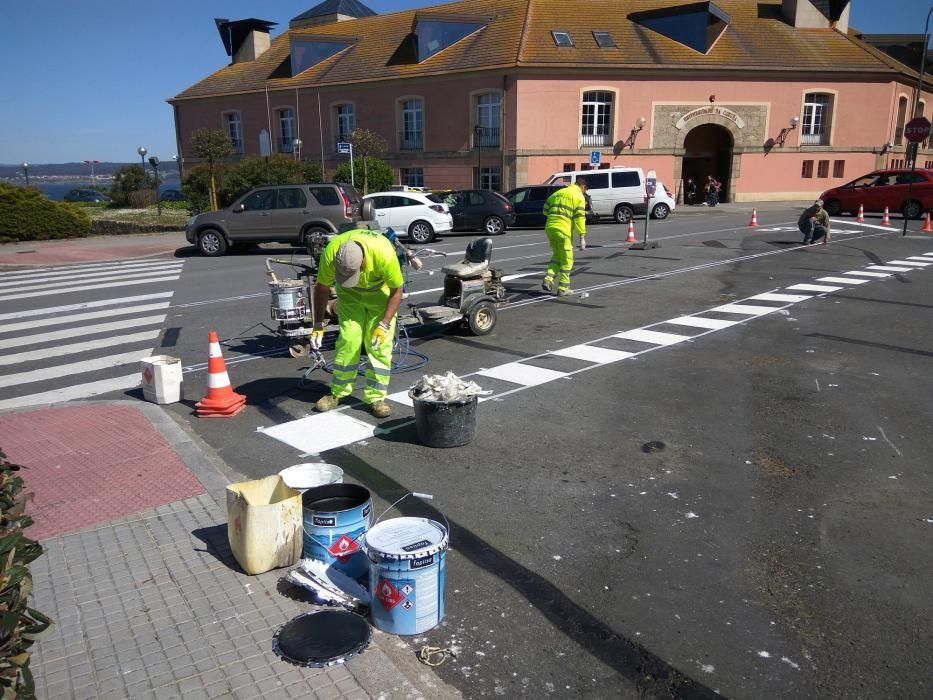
(912, 210)
(833, 207)
(421, 232)
(623, 214)
(482, 317)
(660, 211)
(212, 243)
(494, 226)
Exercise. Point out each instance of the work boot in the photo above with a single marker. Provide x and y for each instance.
(547, 284)
(565, 292)
(380, 409)
(327, 403)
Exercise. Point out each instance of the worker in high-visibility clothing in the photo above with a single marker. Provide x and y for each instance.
(566, 214)
(365, 269)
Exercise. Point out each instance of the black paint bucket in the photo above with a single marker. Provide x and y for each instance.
(445, 423)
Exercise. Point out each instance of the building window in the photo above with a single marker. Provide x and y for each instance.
(596, 127)
(569, 167)
(901, 118)
(822, 168)
(604, 40)
(488, 119)
(487, 178)
(839, 168)
(412, 177)
(412, 136)
(234, 131)
(287, 136)
(563, 39)
(817, 108)
(346, 122)
(807, 169)
(921, 108)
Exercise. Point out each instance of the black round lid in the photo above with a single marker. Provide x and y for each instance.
(322, 638)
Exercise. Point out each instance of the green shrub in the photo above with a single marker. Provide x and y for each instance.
(174, 205)
(141, 199)
(376, 173)
(253, 172)
(27, 215)
(20, 625)
(196, 186)
(129, 179)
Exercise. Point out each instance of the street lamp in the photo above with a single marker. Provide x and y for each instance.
(142, 156)
(478, 140)
(26, 172)
(178, 161)
(154, 162)
(296, 151)
(92, 163)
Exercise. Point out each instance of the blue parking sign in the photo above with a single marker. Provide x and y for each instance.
(594, 157)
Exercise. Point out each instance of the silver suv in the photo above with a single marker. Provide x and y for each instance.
(294, 214)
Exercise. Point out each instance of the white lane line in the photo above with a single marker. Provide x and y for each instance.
(320, 432)
(883, 228)
(786, 298)
(931, 253)
(749, 309)
(87, 287)
(47, 337)
(61, 320)
(865, 273)
(910, 263)
(401, 397)
(4, 294)
(519, 373)
(656, 337)
(889, 268)
(814, 288)
(72, 393)
(591, 353)
(98, 363)
(50, 310)
(76, 268)
(919, 257)
(841, 280)
(72, 277)
(74, 348)
(701, 322)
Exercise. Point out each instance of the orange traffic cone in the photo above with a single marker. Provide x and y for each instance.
(631, 232)
(754, 222)
(927, 228)
(221, 401)
(861, 214)
(886, 220)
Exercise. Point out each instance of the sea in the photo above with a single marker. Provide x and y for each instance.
(56, 189)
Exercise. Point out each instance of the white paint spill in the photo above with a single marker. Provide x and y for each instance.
(790, 663)
(871, 439)
(247, 587)
(707, 668)
(748, 461)
(673, 494)
(643, 493)
(479, 653)
(892, 477)
(556, 557)
(764, 654)
(690, 515)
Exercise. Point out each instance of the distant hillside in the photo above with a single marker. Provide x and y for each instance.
(65, 169)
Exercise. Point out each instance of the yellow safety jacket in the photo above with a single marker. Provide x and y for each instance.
(380, 273)
(566, 211)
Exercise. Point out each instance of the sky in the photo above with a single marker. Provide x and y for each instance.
(88, 80)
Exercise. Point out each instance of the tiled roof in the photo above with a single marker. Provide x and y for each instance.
(349, 8)
(519, 36)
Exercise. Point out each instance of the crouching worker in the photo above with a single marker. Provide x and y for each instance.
(814, 224)
(365, 270)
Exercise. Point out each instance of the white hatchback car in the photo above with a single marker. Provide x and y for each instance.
(420, 216)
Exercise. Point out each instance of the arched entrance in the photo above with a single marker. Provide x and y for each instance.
(708, 151)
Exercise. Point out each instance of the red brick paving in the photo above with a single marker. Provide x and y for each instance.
(94, 249)
(90, 464)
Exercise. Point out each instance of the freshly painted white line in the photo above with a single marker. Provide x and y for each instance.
(931, 253)
(655, 337)
(320, 432)
(910, 263)
(701, 322)
(98, 363)
(883, 228)
(47, 337)
(72, 393)
(74, 277)
(786, 298)
(50, 310)
(919, 257)
(591, 353)
(125, 311)
(519, 373)
(865, 273)
(814, 288)
(74, 348)
(749, 309)
(4, 294)
(889, 268)
(88, 287)
(75, 268)
(401, 397)
(841, 280)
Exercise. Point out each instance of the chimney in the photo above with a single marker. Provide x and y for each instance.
(817, 14)
(244, 39)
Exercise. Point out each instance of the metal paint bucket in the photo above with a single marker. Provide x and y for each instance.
(407, 564)
(288, 300)
(336, 516)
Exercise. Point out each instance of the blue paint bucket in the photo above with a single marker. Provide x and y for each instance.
(407, 563)
(336, 516)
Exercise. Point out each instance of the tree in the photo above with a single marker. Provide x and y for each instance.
(254, 172)
(367, 145)
(211, 145)
(380, 173)
(129, 179)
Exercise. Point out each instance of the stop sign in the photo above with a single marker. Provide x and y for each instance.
(917, 129)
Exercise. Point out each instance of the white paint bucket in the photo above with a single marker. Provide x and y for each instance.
(302, 477)
(161, 379)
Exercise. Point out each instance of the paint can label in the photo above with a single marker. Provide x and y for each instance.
(322, 521)
(415, 546)
(421, 562)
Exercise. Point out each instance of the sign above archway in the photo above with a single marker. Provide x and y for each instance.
(712, 110)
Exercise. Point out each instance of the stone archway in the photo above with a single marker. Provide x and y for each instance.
(707, 150)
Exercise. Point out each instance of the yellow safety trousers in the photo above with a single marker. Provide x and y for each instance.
(561, 259)
(357, 323)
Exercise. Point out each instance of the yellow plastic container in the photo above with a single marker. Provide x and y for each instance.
(264, 523)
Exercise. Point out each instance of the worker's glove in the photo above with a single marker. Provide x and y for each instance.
(582, 242)
(317, 337)
(379, 335)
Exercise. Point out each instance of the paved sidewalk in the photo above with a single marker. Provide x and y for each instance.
(92, 249)
(149, 603)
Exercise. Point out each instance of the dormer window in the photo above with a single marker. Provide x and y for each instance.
(604, 40)
(306, 54)
(435, 35)
(563, 39)
(697, 25)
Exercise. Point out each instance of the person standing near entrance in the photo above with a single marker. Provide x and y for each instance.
(711, 189)
(690, 191)
(566, 214)
(814, 224)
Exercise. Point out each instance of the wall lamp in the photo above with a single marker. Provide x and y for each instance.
(630, 141)
(886, 147)
(779, 141)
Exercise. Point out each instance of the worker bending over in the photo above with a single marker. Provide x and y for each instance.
(363, 266)
(566, 214)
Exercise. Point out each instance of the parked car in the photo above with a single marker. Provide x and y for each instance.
(883, 188)
(275, 214)
(620, 193)
(482, 210)
(420, 216)
(528, 204)
(86, 196)
(172, 196)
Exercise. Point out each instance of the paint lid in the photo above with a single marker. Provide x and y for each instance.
(302, 477)
(322, 638)
(406, 538)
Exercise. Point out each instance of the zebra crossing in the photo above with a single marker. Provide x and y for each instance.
(52, 351)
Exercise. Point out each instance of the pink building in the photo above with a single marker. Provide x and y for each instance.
(778, 100)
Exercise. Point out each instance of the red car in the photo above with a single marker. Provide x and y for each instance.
(883, 188)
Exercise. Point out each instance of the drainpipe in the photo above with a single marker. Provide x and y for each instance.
(502, 122)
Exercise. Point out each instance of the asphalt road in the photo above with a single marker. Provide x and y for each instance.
(747, 510)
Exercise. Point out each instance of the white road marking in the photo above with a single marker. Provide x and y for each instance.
(98, 363)
(73, 277)
(841, 280)
(519, 373)
(786, 298)
(77, 268)
(814, 288)
(61, 320)
(88, 287)
(889, 268)
(47, 337)
(74, 348)
(865, 273)
(910, 263)
(591, 353)
(401, 397)
(654, 337)
(702, 322)
(919, 257)
(71, 393)
(883, 228)
(50, 310)
(320, 432)
(745, 309)
(5, 294)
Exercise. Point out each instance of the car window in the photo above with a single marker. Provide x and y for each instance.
(541, 193)
(291, 198)
(437, 198)
(351, 192)
(597, 181)
(883, 181)
(907, 178)
(476, 198)
(326, 196)
(501, 198)
(562, 180)
(381, 202)
(260, 201)
(406, 202)
(862, 181)
(451, 199)
(627, 178)
(518, 196)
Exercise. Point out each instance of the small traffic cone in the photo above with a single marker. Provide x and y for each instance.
(886, 220)
(927, 228)
(221, 401)
(861, 214)
(754, 222)
(631, 232)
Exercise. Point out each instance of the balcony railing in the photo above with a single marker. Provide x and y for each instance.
(595, 140)
(813, 139)
(411, 140)
(486, 137)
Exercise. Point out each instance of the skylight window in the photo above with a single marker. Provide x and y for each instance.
(436, 35)
(305, 54)
(604, 40)
(563, 39)
(697, 25)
